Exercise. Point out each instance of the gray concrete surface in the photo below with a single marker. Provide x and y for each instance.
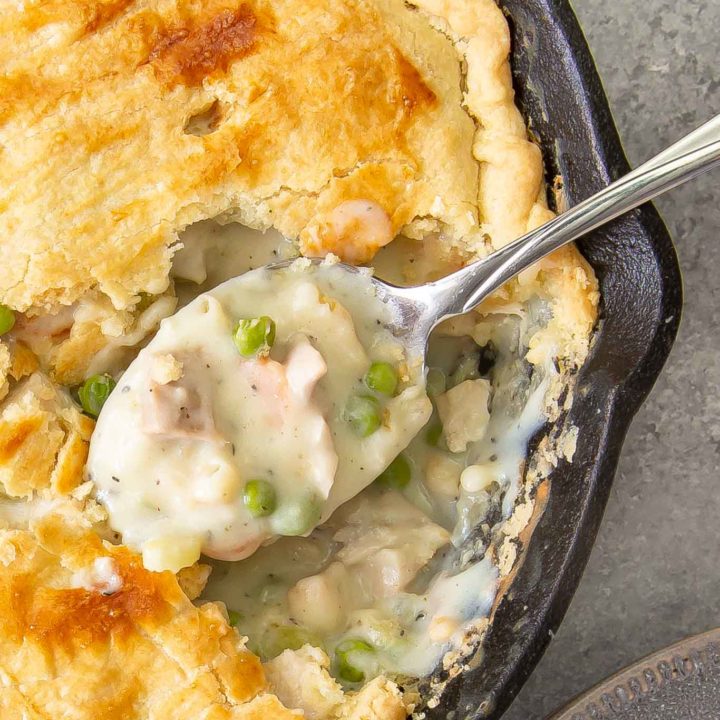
(654, 574)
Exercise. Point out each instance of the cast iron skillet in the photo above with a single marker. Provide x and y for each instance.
(559, 91)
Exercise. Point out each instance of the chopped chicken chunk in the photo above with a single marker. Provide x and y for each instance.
(178, 410)
(354, 231)
(317, 601)
(464, 413)
(385, 543)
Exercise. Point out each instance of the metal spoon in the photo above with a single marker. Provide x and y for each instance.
(417, 310)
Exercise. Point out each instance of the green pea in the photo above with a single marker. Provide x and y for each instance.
(255, 336)
(397, 474)
(363, 414)
(382, 377)
(234, 617)
(434, 432)
(284, 637)
(299, 516)
(7, 319)
(343, 666)
(260, 498)
(435, 382)
(94, 392)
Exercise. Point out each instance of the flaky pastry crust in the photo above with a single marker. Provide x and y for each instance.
(316, 103)
(136, 649)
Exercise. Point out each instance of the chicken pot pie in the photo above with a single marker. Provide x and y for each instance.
(152, 150)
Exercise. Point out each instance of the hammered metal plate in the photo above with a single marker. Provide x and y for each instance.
(681, 682)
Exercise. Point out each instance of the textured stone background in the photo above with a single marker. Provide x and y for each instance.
(654, 574)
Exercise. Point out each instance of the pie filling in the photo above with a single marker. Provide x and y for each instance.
(343, 503)
(256, 411)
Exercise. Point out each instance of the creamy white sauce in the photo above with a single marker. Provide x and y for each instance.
(410, 625)
(450, 607)
(176, 443)
(354, 578)
(211, 253)
(405, 572)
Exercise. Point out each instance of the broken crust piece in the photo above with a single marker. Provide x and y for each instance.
(300, 678)
(193, 579)
(44, 440)
(90, 335)
(306, 104)
(16, 362)
(464, 413)
(88, 632)
(5, 367)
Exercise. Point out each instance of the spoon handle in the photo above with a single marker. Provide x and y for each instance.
(692, 155)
